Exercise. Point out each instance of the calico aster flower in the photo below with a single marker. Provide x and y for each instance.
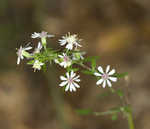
(70, 81)
(43, 34)
(37, 65)
(70, 41)
(66, 61)
(21, 53)
(106, 77)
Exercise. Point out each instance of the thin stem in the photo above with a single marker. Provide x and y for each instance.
(130, 120)
(84, 66)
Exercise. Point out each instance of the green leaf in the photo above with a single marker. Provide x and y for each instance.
(87, 72)
(120, 93)
(89, 59)
(84, 111)
(121, 75)
(30, 62)
(114, 116)
(93, 64)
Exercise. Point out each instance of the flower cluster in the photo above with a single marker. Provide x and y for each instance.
(66, 58)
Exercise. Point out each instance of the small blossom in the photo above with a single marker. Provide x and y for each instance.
(70, 81)
(37, 65)
(70, 40)
(22, 52)
(66, 61)
(105, 76)
(38, 49)
(43, 34)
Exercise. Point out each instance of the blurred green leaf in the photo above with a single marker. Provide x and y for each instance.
(93, 64)
(120, 93)
(89, 59)
(30, 62)
(114, 116)
(84, 111)
(87, 72)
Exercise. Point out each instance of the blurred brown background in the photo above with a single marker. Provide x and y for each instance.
(118, 31)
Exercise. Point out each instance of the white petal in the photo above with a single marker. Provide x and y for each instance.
(114, 79)
(18, 61)
(72, 74)
(109, 83)
(63, 78)
(62, 42)
(111, 72)
(69, 46)
(62, 63)
(104, 84)
(76, 85)
(97, 74)
(77, 80)
(99, 81)
(67, 87)
(108, 68)
(67, 74)
(73, 88)
(49, 35)
(63, 83)
(100, 69)
(27, 48)
(60, 56)
(39, 46)
(21, 57)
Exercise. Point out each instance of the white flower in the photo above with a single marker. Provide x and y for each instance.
(70, 81)
(105, 76)
(66, 61)
(39, 47)
(70, 40)
(21, 53)
(37, 65)
(43, 34)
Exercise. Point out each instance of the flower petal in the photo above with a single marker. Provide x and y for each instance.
(63, 78)
(18, 60)
(97, 74)
(76, 85)
(73, 88)
(67, 87)
(72, 74)
(99, 82)
(108, 68)
(111, 72)
(109, 83)
(77, 80)
(69, 46)
(100, 69)
(67, 74)
(114, 79)
(104, 84)
(27, 48)
(63, 83)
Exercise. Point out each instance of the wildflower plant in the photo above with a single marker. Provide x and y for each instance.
(73, 60)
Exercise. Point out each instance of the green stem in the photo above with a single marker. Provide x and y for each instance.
(130, 120)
